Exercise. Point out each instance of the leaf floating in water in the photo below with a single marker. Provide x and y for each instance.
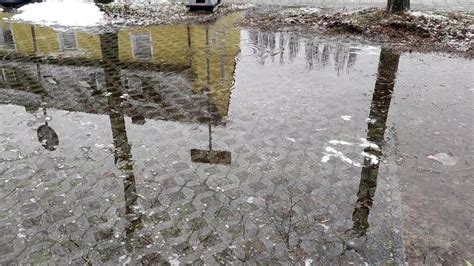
(443, 158)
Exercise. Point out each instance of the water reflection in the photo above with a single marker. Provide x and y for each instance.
(210, 156)
(163, 76)
(376, 126)
(228, 211)
(122, 148)
(46, 135)
(139, 74)
(317, 53)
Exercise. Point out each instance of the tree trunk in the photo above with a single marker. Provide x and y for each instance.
(398, 5)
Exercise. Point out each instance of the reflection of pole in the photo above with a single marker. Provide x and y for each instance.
(123, 156)
(208, 66)
(35, 50)
(207, 59)
(33, 36)
(189, 36)
(210, 156)
(387, 70)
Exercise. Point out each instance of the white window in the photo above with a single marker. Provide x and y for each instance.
(6, 39)
(67, 41)
(141, 46)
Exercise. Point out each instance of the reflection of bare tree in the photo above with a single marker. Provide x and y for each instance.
(340, 57)
(352, 58)
(312, 54)
(123, 156)
(316, 53)
(387, 70)
(325, 55)
(281, 45)
(293, 46)
(285, 222)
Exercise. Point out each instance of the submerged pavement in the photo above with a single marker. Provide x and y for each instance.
(213, 144)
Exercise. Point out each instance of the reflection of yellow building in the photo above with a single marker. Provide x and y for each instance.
(208, 50)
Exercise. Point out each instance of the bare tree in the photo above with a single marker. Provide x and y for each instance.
(398, 5)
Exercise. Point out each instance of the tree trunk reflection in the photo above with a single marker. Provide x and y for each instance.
(123, 155)
(377, 123)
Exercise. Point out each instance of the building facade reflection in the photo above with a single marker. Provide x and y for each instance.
(176, 73)
(165, 58)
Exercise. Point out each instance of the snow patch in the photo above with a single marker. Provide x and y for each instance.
(444, 158)
(71, 14)
(331, 152)
(342, 142)
(373, 159)
(426, 15)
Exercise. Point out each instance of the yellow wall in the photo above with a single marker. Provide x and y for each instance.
(21, 35)
(177, 45)
(220, 43)
(169, 44)
(89, 43)
(46, 40)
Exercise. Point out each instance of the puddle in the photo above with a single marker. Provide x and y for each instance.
(214, 144)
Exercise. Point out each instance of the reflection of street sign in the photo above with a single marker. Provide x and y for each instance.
(47, 137)
(209, 156)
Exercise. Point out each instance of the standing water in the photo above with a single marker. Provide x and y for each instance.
(213, 144)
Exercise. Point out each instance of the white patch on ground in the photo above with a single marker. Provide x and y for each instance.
(373, 158)
(250, 199)
(370, 120)
(367, 144)
(61, 14)
(308, 262)
(346, 117)
(310, 10)
(325, 227)
(443, 158)
(331, 152)
(341, 142)
(174, 261)
(426, 15)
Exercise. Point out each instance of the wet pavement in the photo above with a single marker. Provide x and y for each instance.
(213, 144)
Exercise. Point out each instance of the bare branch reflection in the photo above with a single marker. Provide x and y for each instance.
(317, 53)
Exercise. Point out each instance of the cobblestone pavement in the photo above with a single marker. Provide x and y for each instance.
(297, 160)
